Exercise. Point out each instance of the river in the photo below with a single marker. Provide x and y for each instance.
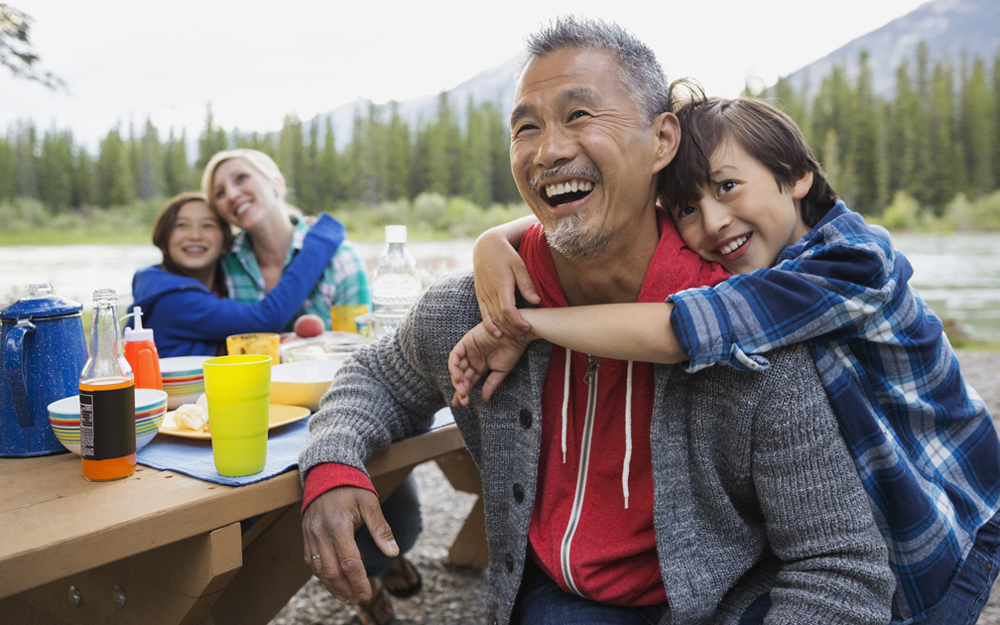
(957, 274)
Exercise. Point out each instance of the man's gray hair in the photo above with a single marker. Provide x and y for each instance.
(642, 77)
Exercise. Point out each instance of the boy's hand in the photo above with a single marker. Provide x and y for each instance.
(498, 269)
(476, 353)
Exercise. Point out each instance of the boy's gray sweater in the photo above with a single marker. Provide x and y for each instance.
(754, 489)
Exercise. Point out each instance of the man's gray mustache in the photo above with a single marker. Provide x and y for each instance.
(565, 170)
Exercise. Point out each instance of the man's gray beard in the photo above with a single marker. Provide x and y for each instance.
(570, 238)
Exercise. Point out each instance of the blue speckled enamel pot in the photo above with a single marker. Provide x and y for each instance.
(44, 351)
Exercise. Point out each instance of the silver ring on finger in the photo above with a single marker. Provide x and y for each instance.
(315, 557)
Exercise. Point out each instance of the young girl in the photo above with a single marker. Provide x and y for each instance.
(184, 299)
(745, 191)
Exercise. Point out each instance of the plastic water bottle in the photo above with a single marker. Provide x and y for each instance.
(395, 282)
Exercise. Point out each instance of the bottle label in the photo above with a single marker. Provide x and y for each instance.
(107, 423)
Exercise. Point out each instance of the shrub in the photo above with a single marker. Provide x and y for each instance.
(903, 213)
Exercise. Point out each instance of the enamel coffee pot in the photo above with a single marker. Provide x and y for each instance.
(44, 350)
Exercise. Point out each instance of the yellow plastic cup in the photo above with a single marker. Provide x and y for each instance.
(342, 316)
(263, 343)
(238, 390)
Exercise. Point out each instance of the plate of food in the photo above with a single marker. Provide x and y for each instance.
(191, 420)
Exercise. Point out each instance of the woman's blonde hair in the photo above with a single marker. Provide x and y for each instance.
(258, 160)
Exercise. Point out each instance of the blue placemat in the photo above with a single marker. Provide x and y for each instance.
(194, 457)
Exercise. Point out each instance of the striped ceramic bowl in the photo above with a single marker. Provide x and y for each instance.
(183, 379)
(150, 406)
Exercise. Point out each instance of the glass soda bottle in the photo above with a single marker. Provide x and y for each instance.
(396, 283)
(107, 398)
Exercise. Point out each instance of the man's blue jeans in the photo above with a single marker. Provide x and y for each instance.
(402, 511)
(969, 592)
(542, 602)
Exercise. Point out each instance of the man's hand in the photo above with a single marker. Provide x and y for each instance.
(480, 351)
(328, 527)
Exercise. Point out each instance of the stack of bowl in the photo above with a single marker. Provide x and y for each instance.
(183, 379)
(150, 406)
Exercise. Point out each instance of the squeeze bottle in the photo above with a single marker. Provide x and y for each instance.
(141, 354)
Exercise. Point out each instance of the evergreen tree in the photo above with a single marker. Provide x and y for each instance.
(420, 164)
(995, 141)
(945, 173)
(920, 187)
(84, 182)
(377, 137)
(291, 155)
(476, 175)
(399, 156)
(359, 166)
(901, 142)
(213, 140)
(792, 103)
(438, 164)
(504, 189)
(831, 164)
(976, 128)
(150, 163)
(8, 169)
(309, 189)
(331, 174)
(133, 155)
(178, 177)
(115, 180)
(55, 170)
(866, 149)
(833, 108)
(26, 163)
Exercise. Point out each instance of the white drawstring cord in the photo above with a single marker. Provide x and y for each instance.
(628, 433)
(565, 406)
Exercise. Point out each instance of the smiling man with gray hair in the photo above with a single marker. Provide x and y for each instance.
(615, 492)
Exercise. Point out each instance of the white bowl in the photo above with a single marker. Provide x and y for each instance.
(302, 383)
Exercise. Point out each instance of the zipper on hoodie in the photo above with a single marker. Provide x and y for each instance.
(590, 379)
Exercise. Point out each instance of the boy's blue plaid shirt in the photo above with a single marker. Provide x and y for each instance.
(922, 440)
(344, 280)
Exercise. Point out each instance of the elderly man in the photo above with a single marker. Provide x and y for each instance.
(615, 492)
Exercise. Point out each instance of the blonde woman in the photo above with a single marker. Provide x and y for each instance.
(248, 190)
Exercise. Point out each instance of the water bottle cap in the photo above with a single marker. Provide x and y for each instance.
(395, 234)
(138, 333)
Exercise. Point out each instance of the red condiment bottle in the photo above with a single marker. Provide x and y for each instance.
(141, 354)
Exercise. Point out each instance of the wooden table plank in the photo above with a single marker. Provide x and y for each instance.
(62, 524)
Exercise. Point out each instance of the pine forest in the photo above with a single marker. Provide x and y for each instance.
(929, 158)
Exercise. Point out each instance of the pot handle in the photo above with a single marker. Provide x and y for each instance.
(15, 371)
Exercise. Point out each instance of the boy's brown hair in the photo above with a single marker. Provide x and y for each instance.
(764, 132)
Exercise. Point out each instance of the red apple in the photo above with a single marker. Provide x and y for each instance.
(308, 325)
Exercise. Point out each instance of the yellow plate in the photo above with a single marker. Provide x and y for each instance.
(277, 416)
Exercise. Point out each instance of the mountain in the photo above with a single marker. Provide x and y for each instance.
(492, 85)
(948, 27)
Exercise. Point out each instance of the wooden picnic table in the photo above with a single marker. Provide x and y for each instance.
(162, 547)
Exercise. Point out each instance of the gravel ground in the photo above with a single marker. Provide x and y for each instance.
(454, 595)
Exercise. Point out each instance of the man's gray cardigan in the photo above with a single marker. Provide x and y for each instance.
(754, 489)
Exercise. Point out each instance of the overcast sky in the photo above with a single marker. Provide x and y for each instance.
(126, 60)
